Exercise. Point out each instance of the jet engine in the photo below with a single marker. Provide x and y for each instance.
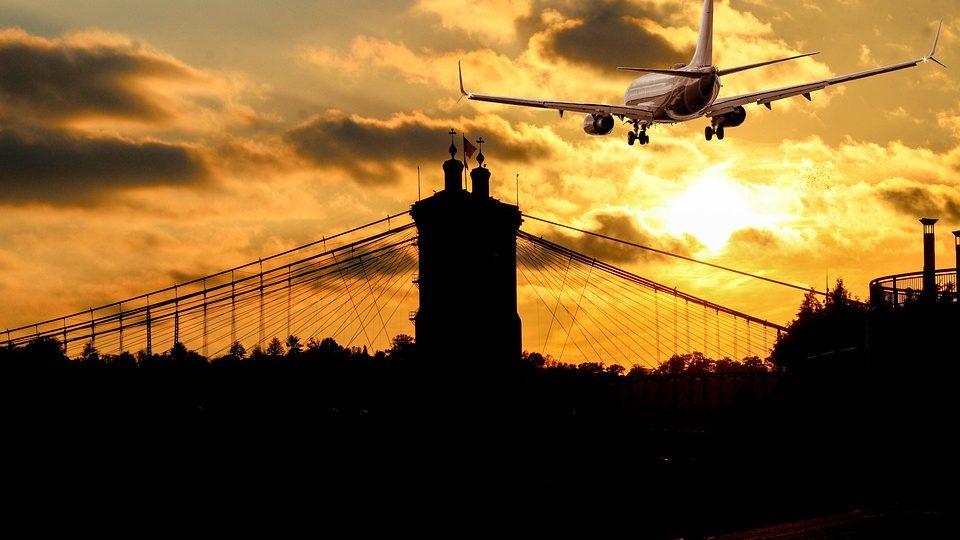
(732, 119)
(598, 124)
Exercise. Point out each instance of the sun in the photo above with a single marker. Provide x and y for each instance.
(713, 207)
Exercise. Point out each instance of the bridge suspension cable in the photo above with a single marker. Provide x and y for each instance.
(349, 286)
(675, 255)
(606, 314)
(340, 286)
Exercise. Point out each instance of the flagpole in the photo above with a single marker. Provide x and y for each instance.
(465, 166)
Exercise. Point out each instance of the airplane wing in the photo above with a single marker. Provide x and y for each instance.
(765, 97)
(621, 111)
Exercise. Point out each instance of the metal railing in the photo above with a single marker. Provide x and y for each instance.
(901, 289)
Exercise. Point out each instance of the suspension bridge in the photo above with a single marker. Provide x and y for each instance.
(361, 288)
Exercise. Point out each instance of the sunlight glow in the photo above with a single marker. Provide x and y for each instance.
(713, 207)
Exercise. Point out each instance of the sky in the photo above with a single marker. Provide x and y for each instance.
(145, 143)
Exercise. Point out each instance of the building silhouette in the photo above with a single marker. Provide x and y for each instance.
(468, 270)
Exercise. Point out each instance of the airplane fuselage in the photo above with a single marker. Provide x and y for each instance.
(673, 98)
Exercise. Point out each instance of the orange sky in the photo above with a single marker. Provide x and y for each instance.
(145, 143)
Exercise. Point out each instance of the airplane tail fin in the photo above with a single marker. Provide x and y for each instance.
(703, 56)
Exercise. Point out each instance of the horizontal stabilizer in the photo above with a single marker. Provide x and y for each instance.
(762, 64)
(677, 72)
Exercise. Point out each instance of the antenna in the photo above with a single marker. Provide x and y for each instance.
(418, 182)
(518, 190)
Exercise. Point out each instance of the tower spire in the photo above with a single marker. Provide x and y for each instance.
(453, 146)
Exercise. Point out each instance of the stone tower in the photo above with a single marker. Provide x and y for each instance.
(468, 270)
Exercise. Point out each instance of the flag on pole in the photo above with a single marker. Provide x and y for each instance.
(468, 149)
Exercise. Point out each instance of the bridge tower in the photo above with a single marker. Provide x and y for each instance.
(468, 270)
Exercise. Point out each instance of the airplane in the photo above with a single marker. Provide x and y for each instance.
(687, 92)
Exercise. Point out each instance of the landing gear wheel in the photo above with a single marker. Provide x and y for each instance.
(631, 138)
(643, 138)
(720, 132)
(708, 132)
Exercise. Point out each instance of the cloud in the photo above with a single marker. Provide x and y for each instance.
(950, 120)
(65, 168)
(371, 149)
(609, 34)
(620, 224)
(916, 200)
(84, 75)
(101, 80)
(368, 56)
(92, 113)
(565, 52)
(490, 19)
(754, 237)
(902, 115)
(866, 56)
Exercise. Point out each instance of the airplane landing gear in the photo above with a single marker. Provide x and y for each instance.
(710, 131)
(638, 135)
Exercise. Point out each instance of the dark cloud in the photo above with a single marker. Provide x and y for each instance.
(47, 82)
(61, 167)
(623, 227)
(368, 150)
(754, 237)
(607, 38)
(923, 202)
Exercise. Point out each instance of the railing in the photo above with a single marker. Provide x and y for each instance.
(901, 289)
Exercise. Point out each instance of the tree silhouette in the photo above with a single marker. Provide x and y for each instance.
(402, 345)
(89, 355)
(616, 370)
(835, 328)
(698, 364)
(274, 348)
(237, 350)
(637, 371)
(294, 347)
(182, 358)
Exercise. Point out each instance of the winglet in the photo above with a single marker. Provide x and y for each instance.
(933, 50)
(463, 93)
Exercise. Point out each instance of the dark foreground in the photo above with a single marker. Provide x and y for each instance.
(504, 451)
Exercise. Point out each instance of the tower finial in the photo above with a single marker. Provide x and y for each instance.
(480, 157)
(453, 147)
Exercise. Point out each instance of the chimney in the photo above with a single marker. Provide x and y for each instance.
(929, 260)
(481, 177)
